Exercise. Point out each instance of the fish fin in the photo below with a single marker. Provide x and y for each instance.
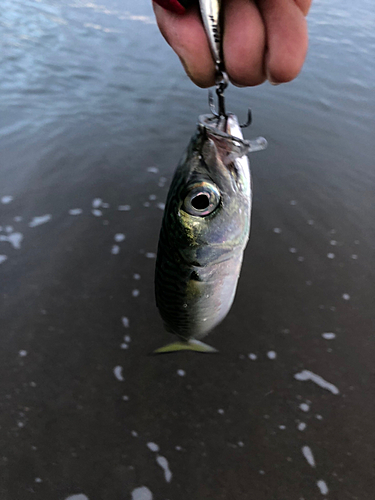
(181, 345)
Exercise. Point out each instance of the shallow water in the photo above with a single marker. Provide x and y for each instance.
(95, 113)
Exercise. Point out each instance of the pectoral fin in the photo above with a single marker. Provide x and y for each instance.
(189, 345)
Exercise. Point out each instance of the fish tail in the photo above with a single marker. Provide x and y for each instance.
(185, 345)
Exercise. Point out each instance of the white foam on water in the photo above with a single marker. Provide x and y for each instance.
(308, 454)
(124, 346)
(319, 417)
(310, 222)
(152, 170)
(134, 433)
(125, 321)
(181, 373)
(252, 356)
(292, 250)
(80, 496)
(150, 255)
(127, 338)
(96, 212)
(8, 229)
(119, 237)
(125, 398)
(22, 353)
(221, 411)
(301, 426)
(300, 258)
(152, 197)
(333, 242)
(329, 335)
(271, 355)
(161, 206)
(304, 407)
(117, 371)
(282, 427)
(42, 219)
(97, 202)
(345, 296)
(124, 208)
(136, 276)
(153, 446)
(146, 204)
(163, 462)
(178, 448)
(75, 211)
(3, 258)
(293, 202)
(105, 205)
(305, 375)
(277, 230)
(141, 493)
(18, 218)
(322, 485)
(14, 239)
(354, 256)
(38, 480)
(331, 255)
(241, 444)
(6, 199)
(115, 250)
(135, 293)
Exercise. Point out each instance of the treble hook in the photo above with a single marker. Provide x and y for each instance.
(222, 81)
(221, 106)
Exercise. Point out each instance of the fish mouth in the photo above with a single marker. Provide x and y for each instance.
(219, 129)
(226, 131)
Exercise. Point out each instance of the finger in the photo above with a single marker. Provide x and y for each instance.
(244, 43)
(286, 32)
(186, 35)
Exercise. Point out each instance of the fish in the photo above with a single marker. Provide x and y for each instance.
(204, 232)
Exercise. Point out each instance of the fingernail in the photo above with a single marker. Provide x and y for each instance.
(268, 75)
(269, 78)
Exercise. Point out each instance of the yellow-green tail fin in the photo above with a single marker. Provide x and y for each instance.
(188, 345)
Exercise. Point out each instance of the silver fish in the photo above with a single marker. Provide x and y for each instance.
(204, 232)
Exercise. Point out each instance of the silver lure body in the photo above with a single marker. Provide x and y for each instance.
(210, 12)
(199, 257)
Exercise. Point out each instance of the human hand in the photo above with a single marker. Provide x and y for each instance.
(263, 39)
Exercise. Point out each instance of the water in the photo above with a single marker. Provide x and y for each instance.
(94, 105)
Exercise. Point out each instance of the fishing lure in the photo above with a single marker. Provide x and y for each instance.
(206, 221)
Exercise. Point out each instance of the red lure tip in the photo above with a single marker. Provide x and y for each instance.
(176, 6)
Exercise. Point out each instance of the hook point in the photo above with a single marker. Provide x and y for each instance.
(249, 119)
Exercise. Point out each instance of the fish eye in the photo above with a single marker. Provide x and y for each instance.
(201, 200)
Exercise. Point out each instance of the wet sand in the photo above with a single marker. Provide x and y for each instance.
(96, 112)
